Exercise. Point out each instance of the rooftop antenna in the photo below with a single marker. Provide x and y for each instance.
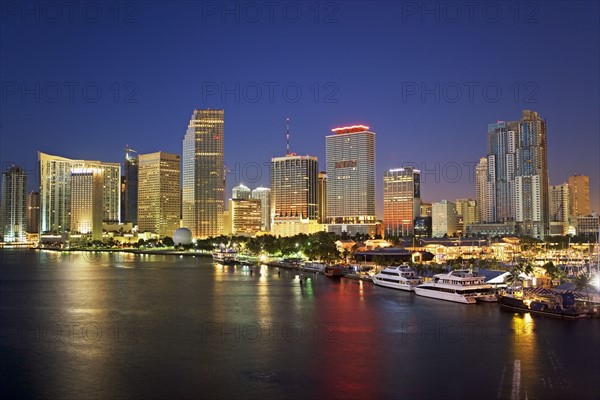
(287, 136)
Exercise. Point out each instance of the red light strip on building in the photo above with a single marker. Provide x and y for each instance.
(350, 129)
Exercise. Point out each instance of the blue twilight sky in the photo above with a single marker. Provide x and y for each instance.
(84, 79)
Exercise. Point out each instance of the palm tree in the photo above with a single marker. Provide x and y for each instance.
(514, 276)
(582, 282)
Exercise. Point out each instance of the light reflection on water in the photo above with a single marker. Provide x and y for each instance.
(120, 325)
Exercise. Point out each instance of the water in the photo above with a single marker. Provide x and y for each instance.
(112, 326)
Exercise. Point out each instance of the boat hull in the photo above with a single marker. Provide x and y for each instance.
(393, 285)
(435, 294)
(517, 305)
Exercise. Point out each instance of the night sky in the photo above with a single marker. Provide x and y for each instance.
(85, 81)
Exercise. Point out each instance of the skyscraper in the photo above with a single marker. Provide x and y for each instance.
(87, 194)
(203, 194)
(481, 189)
(294, 195)
(559, 209)
(33, 212)
(466, 213)
(131, 186)
(240, 192)
(443, 219)
(517, 179)
(322, 196)
(246, 216)
(502, 147)
(158, 193)
(531, 177)
(350, 154)
(14, 193)
(55, 191)
(111, 203)
(579, 192)
(401, 200)
(264, 195)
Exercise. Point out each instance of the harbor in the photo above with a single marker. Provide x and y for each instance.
(124, 317)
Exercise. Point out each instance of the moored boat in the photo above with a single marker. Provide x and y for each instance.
(562, 306)
(313, 267)
(397, 277)
(225, 256)
(333, 271)
(460, 286)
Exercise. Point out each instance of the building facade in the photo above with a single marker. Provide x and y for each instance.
(559, 209)
(501, 163)
(159, 193)
(87, 194)
(531, 177)
(33, 212)
(246, 216)
(55, 191)
(443, 219)
(579, 193)
(203, 191)
(588, 225)
(240, 192)
(466, 213)
(264, 195)
(322, 196)
(350, 159)
(130, 199)
(14, 204)
(517, 178)
(294, 207)
(481, 189)
(401, 200)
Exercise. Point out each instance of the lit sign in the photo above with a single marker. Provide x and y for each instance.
(350, 129)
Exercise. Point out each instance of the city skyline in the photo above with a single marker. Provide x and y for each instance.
(146, 102)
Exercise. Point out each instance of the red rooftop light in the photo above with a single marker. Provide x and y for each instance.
(350, 129)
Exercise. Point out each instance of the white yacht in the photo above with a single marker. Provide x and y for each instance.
(460, 286)
(225, 256)
(397, 277)
(313, 267)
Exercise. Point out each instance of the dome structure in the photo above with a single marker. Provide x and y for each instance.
(182, 236)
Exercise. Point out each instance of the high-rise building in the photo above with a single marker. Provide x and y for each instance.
(111, 203)
(588, 225)
(425, 210)
(322, 196)
(14, 194)
(559, 209)
(264, 195)
(203, 193)
(33, 212)
(579, 192)
(466, 213)
(87, 194)
(158, 193)
(481, 189)
(401, 200)
(246, 216)
(443, 219)
(517, 178)
(294, 206)
(501, 162)
(131, 186)
(350, 154)
(240, 192)
(531, 177)
(55, 191)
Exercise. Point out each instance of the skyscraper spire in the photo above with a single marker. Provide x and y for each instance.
(287, 136)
